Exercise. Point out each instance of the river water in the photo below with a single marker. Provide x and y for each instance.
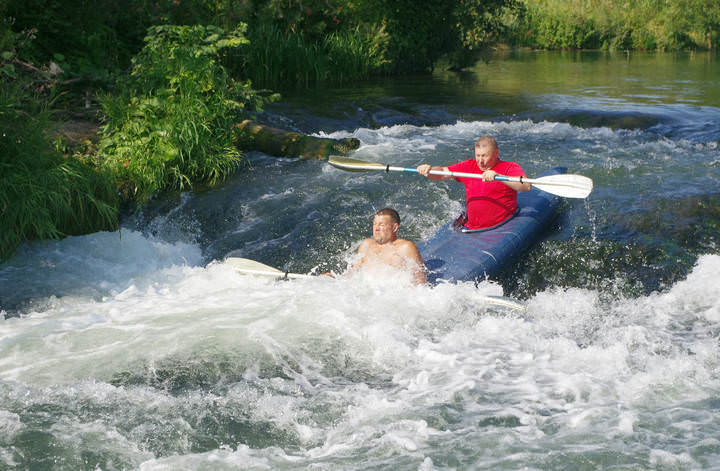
(139, 349)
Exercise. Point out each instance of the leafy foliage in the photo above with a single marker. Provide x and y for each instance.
(692, 22)
(479, 24)
(319, 41)
(93, 36)
(171, 126)
(313, 18)
(420, 32)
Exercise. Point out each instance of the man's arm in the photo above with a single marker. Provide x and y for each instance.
(410, 251)
(424, 170)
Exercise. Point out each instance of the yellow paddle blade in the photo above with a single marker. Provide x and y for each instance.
(354, 165)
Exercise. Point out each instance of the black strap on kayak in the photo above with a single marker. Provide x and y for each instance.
(387, 169)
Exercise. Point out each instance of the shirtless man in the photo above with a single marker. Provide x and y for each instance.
(384, 247)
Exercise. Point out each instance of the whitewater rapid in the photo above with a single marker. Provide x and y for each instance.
(337, 370)
(140, 349)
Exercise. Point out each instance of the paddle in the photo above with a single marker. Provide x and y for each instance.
(565, 185)
(251, 267)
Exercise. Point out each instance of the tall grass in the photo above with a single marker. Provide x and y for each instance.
(43, 194)
(278, 58)
(274, 58)
(356, 54)
(612, 24)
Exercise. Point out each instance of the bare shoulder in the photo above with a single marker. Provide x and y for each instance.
(404, 243)
(365, 244)
(406, 247)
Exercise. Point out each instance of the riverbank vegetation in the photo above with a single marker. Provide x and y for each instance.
(647, 25)
(44, 194)
(163, 81)
(170, 124)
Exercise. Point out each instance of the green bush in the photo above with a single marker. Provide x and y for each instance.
(644, 40)
(93, 35)
(420, 33)
(172, 125)
(478, 24)
(623, 41)
(314, 19)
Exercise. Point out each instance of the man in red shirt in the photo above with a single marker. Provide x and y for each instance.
(489, 202)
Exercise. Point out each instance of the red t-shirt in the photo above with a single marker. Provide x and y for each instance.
(488, 203)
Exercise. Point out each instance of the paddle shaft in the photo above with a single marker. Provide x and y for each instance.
(448, 173)
(561, 184)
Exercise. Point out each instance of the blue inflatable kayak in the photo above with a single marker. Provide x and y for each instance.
(454, 255)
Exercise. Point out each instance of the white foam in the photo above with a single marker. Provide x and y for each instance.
(10, 426)
(697, 295)
(668, 459)
(597, 366)
(92, 265)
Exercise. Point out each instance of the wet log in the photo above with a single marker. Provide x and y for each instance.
(250, 135)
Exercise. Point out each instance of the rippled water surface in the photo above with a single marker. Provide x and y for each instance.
(140, 349)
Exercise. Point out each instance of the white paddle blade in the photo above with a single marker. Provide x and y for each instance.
(251, 267)
(503, 301)
(565, 185)
(354, 165)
